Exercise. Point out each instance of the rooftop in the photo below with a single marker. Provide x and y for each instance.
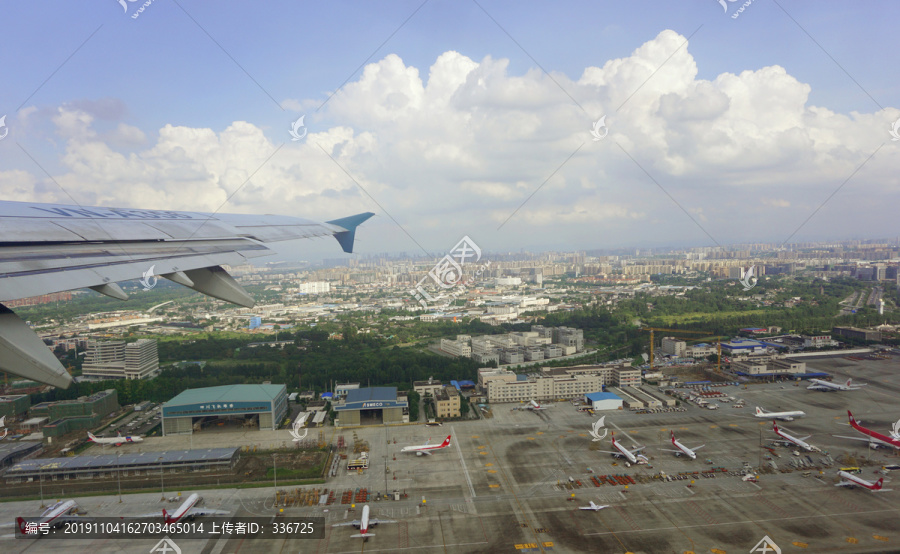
(227, 393)
(377, 394)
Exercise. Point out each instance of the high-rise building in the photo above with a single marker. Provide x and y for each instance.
(118, 360)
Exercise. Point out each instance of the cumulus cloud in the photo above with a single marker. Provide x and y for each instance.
(457, 147)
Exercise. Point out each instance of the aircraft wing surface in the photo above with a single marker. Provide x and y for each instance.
(48, 248)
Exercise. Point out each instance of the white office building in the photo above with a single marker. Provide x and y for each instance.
(118, 360)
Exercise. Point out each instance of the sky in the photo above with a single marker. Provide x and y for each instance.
(739, 122)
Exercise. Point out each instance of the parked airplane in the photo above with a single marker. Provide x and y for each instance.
(364, 524)
(783, 416)
(424, 449)
(623, 452)
(875, 439)
(535, 406)
(682, 449)
(54, 515)
(187, 510)
(819, 384)
(50, 248)
(3, 425)
(850, 480)
(118, 441)
(594, 507)
(794, 440)
(595, 430)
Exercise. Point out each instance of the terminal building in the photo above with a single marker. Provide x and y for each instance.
(372, 406)
(262, 406)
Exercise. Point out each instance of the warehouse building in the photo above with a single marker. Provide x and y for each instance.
(262, 406)
(99, 404)
(603, 401)
(129, 464)
(372, 406)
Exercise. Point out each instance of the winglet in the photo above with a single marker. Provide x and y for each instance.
(346, 238)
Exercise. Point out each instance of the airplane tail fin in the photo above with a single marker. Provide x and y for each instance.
(878, 484)
(849, 415)
(847, 384)
(613, 433)
(20, 521)
(759, 411)
(346, 238)
(673, 437)
(91, 437)
(165, 515)
(446, 441)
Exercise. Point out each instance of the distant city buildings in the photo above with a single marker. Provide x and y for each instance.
(118, 360)
(519, 347)
(314, 287)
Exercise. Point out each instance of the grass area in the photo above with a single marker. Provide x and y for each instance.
(287, 473)
(693, 317)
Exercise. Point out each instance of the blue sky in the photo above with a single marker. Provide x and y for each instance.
(105, 109)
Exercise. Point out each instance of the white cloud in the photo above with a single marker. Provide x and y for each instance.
(458, 151)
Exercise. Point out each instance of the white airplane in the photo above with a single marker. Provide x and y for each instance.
(595, 430)
(187, 510)
(783, 416)
(535, 406)
(622, 452)
(794, 440)
(594, 507)
(364, 524)
(875, 439)
(425, 449)
(118, 441)
(54, 515)
(5, 430)
(298, 424)
(682, 449)
(50, 248)
(819, 384)
(850, 480)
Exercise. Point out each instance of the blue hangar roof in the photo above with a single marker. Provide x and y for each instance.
(595, 396)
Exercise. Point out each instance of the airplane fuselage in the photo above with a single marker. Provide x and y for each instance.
(873, 435)
(793, 440)
(183, 509)
(860, 482)
(684, 450)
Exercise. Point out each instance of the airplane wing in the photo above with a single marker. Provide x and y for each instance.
(608, 452)
(376, 521)
(198, 512)
(669, 450)
(426, 452)
(48, 248)
(698, 447)
(354, 523)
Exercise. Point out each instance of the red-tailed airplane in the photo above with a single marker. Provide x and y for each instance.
(794, 440)
(850, 480)
(874, 439)
(682, 449)
(54, 515)
(828, 386)
(424, 450)
(622, 452)
(535, 406)
(187, 510)
(364, 524)
(118, 441)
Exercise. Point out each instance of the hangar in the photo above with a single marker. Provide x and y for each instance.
(372, 406)
(603, 401)
(261, 406)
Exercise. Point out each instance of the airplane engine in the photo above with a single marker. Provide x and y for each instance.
(419, 454)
